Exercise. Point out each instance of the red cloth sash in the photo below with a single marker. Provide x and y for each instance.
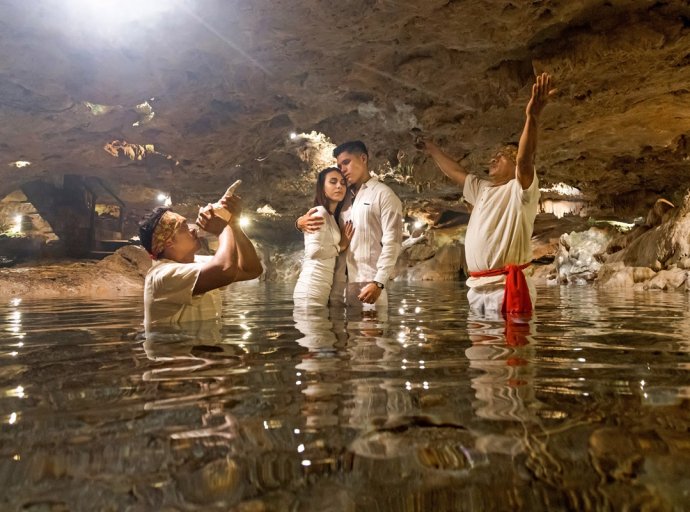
(516, 298)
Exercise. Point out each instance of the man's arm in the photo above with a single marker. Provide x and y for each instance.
(391, 245)
(541, 92)
(448, 166)
(235, 259)
(310, 222)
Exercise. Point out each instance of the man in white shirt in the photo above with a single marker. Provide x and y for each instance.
(497, 243)
(376, 215)
(181, 286)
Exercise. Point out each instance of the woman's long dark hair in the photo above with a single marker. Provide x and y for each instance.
(320, 198)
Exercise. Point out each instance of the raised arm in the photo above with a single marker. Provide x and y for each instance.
(448, 166)
(235, 259)
(527, 150)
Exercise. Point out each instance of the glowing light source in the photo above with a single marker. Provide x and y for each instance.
(164, 198)
(244, 222)
(105, 14)
(20, 163)
(562, 189)
(293, 135)
(418, 224)
(18, 392)
(17, 224)
(13, 418)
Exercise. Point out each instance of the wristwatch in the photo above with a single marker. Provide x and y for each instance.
(378, 285)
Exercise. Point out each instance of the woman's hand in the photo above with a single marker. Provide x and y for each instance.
(347, 230)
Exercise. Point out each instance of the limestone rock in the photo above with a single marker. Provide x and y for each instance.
(668, 279)
(130, 259)
(215, 112)
(617, 275)
(579, 259)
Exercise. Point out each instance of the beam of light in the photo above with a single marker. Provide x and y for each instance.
(403, 82)
(227, 41)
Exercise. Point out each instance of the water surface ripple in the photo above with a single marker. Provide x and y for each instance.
(585, 407)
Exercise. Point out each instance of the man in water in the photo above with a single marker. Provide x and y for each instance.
(376, 215)
(184, 287)
(497, 243)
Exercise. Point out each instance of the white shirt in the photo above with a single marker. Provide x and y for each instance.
(168, 294)
(500, 227)
(376, 215)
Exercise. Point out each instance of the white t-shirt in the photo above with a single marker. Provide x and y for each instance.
(500, 228)
(168, 294)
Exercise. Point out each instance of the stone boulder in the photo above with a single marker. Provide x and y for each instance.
(662, 245)
(668, 279)
(130, 259)
(617, 275)
(580, 255)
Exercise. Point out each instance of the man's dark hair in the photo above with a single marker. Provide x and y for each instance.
(356, 147)
(148, 225)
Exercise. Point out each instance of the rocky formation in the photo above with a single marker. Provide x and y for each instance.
(653, 255)
(120, 274)
(185, 97)
(172, 101)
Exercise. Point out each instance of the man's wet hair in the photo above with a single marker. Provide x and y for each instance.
(356, 147)
(148, 225)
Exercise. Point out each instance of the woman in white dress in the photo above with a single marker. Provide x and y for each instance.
(321, 248)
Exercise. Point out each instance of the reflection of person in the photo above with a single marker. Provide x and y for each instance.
(376, 214)
(322, 247)
(504, 208)
(505, 386)
(181, 286)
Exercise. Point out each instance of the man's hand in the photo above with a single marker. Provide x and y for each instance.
(369, 294)
(422, 143)
(310, 222)
(347, 231)
(233, 204)
(209, 221)
(541, 93)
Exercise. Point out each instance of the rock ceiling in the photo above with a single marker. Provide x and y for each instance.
(185, 96)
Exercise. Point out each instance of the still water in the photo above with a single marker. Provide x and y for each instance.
(584, 408)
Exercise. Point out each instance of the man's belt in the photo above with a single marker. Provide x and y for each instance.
(516, 297)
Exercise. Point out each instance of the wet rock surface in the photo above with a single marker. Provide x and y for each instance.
(189, 96)
(120, 274)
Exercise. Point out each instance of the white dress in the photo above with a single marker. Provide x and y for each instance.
(320, 253)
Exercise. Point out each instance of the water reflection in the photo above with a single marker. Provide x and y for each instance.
(583, 407)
